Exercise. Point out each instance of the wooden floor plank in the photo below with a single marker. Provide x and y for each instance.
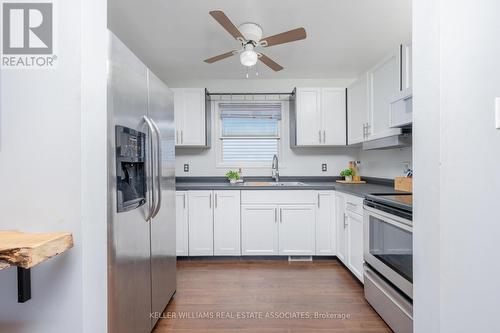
(268, 287)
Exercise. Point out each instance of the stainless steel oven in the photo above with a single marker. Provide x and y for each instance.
(388, 255)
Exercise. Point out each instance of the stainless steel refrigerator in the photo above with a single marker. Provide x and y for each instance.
(141, 196)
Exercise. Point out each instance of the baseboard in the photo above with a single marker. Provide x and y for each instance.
(248, 258)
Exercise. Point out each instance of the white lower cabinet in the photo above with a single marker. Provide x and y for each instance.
(227, 223)
(341, 227)
(297, 230)
(277, 229)
(181, 227)
(271, 223)
(259, 230)
(350, 232)
(355, 244)
(201, 226)
(325, 223)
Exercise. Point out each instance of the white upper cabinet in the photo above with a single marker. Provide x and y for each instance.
(308, 115)
(190, 117)
(402, 104)
(325, 223)
(319, 117)
(297, 230)
(333, 107)
(380, 100)
(357, 103)
(406, 67)
(181, 227)
(227, 223)
(384, 83)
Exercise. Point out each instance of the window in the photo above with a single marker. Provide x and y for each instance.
(249, 132)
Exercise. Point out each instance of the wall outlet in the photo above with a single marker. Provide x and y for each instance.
(186, 167)
(497, 112)
(323, 167)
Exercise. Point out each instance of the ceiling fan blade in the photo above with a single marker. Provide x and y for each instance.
(220, 57)
(284, 37)
(226, 23)
(270, 63)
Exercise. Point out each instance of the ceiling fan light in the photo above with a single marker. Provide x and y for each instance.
(248, 58)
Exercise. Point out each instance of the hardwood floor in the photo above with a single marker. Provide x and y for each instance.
(212, 294)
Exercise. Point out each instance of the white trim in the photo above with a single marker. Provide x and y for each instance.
(219, 164)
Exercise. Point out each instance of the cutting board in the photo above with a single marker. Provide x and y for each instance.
(351, 182)
(403, 184)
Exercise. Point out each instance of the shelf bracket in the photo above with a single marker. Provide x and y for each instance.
(23, 284)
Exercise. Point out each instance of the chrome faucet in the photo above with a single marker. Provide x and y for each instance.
(275, 167)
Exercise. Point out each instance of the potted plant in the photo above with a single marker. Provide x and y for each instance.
(347, 174)
(233, 176)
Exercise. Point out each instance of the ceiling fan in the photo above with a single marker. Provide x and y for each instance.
(250, 37)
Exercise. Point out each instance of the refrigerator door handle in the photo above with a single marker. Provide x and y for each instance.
(158, 167)
(151, 167)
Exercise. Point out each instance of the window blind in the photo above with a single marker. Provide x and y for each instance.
(250, 110)
(249, 132)
(249, 150)
(253, 127)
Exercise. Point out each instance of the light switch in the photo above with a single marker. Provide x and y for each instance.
(497, 112)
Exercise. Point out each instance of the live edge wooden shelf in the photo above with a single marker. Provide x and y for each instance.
(26, 250)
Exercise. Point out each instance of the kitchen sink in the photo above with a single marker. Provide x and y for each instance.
(273, 184)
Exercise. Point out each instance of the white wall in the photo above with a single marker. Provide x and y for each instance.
(253, 85)
(456, 229)
(295, 162)
(40, 172)
(94, 144)
(384, 163)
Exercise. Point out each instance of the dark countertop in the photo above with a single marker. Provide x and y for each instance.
(374, 185)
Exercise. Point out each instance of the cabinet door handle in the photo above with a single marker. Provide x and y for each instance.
(215, 200)
(364, 130)
(318, 201)
(281, 215)
(275, 215)
(182, 136)
(177, 136)
(184, 201)
(319, 136)
(324, 136)
(345, 220)
(210, 201)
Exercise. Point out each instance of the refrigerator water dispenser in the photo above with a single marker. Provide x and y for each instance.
(130, 169)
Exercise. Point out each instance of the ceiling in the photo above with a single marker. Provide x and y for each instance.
(344, 37)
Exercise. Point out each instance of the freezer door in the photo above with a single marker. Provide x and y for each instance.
(163, 256)
(129, 283)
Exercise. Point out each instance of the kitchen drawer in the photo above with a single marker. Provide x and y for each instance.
(354, 204)
(396, 310)
(277, 197)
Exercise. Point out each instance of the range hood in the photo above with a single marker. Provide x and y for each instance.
(396, 141)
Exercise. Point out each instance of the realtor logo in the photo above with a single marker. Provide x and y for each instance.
(27, 30)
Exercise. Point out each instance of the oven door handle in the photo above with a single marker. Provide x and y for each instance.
(389, 219)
